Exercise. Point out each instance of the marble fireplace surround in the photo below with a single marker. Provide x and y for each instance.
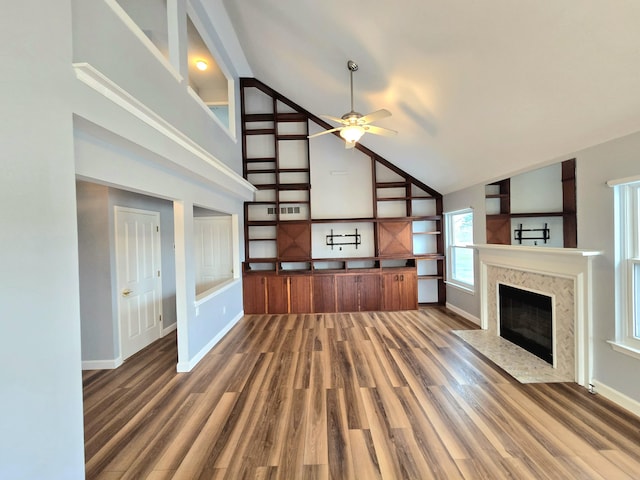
(562, 273)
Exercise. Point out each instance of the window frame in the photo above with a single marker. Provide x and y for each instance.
(452, 246)
(627, 258)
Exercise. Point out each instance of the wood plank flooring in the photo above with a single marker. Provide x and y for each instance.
(342, 396)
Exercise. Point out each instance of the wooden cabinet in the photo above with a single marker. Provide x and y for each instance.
(324, 294)
(254, 291)
(400, 290)
(287, 294)
(358, 293)
(395, 238)
(277, 294)
(294, 240)
(300, 294)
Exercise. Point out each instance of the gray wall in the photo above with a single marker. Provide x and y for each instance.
(96, 242)
(616, 159)
(471, 197)
(596, 165)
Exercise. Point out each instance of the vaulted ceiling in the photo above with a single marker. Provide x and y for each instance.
(478, 89)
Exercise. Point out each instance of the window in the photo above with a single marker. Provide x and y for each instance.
(460, 253)
(627, 217)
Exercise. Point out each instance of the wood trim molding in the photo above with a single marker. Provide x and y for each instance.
(102, 364)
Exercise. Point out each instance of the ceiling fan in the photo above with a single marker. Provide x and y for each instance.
(354, 124)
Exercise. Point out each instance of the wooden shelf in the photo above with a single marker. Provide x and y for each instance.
(261, 223)
(497, 195)
(291, 117)
(392, 184)
(536, 214)
(292, 137)
(261, 170)
(260, 160)
(258, 117)
(430, 277)
(260, 131)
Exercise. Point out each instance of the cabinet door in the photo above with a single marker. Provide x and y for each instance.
(391, 291)
(400, 290)
(324, 294)
(254, 292)
(300, 294)
(294, 240)
(347, 293)
(277, 294)
(369, 292)
(409, 290)
(395, 238)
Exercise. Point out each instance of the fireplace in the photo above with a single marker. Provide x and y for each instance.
(563, 274)
(526, 319)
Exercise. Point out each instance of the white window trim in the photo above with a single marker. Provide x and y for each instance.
(466, 287)
(627, 254)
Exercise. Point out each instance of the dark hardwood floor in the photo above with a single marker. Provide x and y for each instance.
(362, 395)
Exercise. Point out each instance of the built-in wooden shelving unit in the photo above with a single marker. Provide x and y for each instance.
(408, 262)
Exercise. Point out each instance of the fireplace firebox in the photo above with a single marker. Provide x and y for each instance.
(526, 319)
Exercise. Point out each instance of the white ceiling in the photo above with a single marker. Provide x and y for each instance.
(478, 89)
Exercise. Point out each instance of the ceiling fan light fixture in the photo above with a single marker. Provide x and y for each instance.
(352, 133)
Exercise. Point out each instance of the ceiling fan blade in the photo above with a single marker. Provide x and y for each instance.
(334, 119)
(379, 130)
(373, 116)
(325, 132)
(348, 145)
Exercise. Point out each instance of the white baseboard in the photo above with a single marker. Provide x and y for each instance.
(101, 364)
(617, 397)
(188, 366)
(463, 313)
(169, 329)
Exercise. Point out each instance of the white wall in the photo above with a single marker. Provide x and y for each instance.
(54, 128)
(41, 414)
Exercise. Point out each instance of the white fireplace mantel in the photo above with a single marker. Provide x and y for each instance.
(568, 263)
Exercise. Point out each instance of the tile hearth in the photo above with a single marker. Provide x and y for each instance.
(517, 362)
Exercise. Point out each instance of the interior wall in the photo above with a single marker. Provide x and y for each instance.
(44, 149)
(98, 274)
(41, 414)
(99, 335)
(337, 170)
(616, 159)
(596, 165)
(464, 301)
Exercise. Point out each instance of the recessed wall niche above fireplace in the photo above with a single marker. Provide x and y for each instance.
(526, 319)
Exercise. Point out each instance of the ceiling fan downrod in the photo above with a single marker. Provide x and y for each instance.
(353, 67)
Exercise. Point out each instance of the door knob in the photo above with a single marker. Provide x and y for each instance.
(126, 292)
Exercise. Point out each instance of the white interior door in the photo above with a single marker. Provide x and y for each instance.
(213, 251)
(139, 284)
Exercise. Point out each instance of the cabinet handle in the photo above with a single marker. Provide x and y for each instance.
(396, 279)
(402, 278)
